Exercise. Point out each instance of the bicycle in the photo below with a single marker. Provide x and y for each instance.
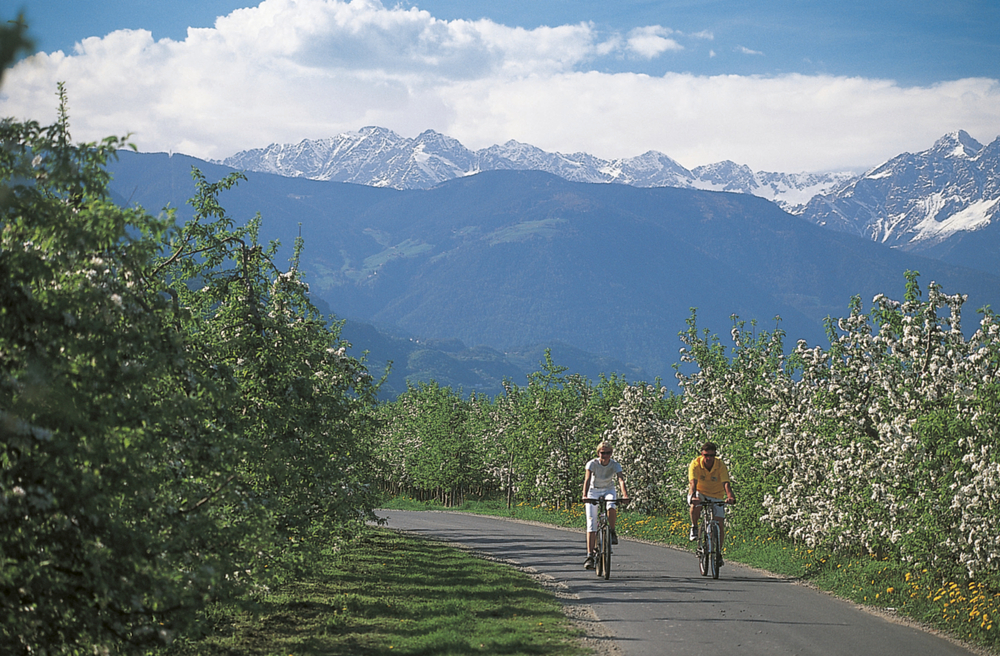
(602, 551)
(709, 550)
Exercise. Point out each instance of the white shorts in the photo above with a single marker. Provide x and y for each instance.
(593, 508)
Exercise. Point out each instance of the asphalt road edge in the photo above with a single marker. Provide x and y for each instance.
(599, 638)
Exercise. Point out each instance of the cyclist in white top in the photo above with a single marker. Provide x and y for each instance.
(599, 481)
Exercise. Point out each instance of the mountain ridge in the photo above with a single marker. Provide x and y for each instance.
(507, 259)
(942, 202)
(379, 157)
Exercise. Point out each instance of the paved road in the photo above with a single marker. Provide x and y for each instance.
(657, 604)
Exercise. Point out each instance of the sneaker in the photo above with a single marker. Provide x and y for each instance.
(614, 538)
(589, 563)
(693, 535)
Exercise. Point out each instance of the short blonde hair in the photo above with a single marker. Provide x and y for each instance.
(604, 446)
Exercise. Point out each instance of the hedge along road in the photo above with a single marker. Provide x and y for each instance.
(657, 604)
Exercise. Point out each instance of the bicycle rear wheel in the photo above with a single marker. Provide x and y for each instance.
(703, 551)
(713, 559)
(607, 552)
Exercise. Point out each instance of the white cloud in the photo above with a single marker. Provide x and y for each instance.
(652, 41)
(743, 50)
(294, 69)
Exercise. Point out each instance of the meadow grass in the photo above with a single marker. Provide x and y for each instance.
(390, 593)
(963, 609)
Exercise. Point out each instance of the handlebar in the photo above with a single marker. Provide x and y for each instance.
(623, 501)
(706, 502)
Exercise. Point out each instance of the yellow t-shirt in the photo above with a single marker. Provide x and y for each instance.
(710, 483)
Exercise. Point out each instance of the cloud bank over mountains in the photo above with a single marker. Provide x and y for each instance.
(288, 70)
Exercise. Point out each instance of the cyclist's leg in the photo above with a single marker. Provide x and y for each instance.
(695, 514)
(592, 512)
(593, 508)
(606, 552)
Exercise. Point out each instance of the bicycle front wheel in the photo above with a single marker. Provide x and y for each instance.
(704, 549)
(713, 559)
(599, 553)
(607, 552)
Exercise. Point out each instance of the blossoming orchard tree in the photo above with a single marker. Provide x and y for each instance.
(888, 440)
(885, 442)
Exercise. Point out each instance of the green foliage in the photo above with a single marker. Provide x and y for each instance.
(529, 444)
(887, 443)
(424, 445)
(727, 400)
(177, 422)
(91, 369)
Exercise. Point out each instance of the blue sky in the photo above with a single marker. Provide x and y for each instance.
(779, 85)
(912, 42)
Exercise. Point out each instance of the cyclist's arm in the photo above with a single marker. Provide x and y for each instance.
(621, 484)
(692, 489)
(586, 483)
(730, 497)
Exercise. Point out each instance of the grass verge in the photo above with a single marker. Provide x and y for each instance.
(390, 593)
(966, 610)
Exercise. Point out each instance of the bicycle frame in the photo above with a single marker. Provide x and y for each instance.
(709, 550)
(602, 550)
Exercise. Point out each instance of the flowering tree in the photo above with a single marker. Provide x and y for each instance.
(887, 440)
(730, 399)
(644, 446)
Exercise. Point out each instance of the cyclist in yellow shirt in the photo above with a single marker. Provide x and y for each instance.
(708, 479)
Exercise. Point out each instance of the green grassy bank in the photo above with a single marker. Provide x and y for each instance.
(388, 593)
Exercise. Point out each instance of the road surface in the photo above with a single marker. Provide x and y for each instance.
(657, 604)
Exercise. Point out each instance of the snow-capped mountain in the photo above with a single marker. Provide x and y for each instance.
(941, 202)
(372, 156)
(919, 202)
(379, 157)
(789, 190)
